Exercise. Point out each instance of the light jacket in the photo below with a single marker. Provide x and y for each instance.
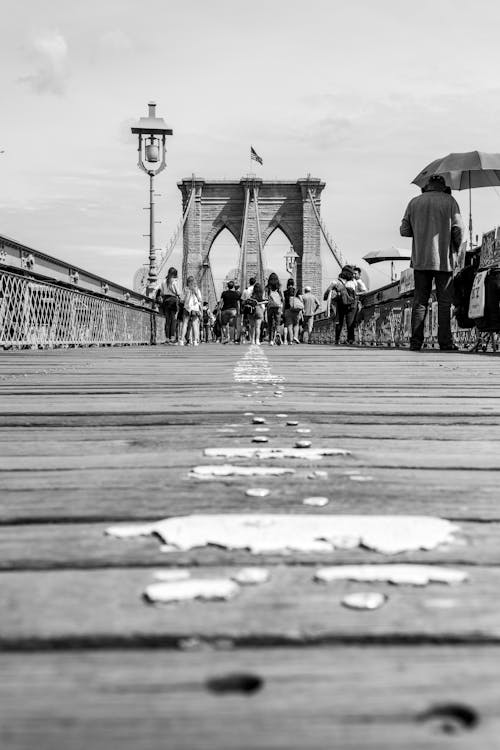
(433, 221)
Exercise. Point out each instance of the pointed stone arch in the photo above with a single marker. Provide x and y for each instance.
(244, 207)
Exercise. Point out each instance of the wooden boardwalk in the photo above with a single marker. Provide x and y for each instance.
(96, 437)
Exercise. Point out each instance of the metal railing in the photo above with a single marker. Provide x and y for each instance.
(38, 313)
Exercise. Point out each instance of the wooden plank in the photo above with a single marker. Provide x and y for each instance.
(184, 448)
(312, 698)
(459, 385)
(88, 607)
(46, 438)
(128, 493)
(83, 545)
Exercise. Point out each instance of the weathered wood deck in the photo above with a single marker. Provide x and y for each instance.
(93, 437)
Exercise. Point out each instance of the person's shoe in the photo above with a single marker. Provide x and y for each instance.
(257, 343)
(271, 343)
(296, 341)
(181, 343)
(451, 348)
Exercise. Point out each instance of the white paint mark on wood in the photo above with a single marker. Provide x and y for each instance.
(313, 454)
(258, 420)
(303, 444)
(251, 576)
(228, 470)
(254, 368)
(310, 533)
(303, 430)
(207, 589)
(257, 492)
(260, 439)
(360, 478)
(364, 600)
(319, 501)
(262, 429)
(292, 423)
(413, 575)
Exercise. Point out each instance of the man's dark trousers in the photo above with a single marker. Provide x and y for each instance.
(423, 286)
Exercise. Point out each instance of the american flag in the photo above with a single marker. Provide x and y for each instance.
(254, 155)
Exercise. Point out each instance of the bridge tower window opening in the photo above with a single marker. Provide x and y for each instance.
(223, 258)
(275, 249)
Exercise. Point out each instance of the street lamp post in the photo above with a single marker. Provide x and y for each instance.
(291, 258)
(152, 132)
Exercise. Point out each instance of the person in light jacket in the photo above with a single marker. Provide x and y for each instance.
(433, 221)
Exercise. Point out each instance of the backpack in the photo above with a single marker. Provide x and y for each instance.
(347, 295)
(275, 299)
(191, 302)
(249, 306)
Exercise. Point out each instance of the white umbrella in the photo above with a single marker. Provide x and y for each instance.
(390, 254)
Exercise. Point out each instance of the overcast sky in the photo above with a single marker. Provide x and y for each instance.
(361, 94)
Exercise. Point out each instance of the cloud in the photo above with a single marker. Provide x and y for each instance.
(49, 56)
(328, 132)
(115, 41)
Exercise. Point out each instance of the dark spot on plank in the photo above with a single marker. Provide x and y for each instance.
(450, 718)
(235, 682)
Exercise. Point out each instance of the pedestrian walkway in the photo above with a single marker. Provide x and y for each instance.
(94, 442)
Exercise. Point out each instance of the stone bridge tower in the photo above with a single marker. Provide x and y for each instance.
(251, 209)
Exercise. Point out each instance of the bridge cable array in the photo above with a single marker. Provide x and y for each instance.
(334, 248)
(175, 237)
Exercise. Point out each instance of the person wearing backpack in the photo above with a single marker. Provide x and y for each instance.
(342, 294)
(274, 307)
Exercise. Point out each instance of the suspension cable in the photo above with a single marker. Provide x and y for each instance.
(334, 248)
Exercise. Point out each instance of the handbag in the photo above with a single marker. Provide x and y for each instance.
(296, 304)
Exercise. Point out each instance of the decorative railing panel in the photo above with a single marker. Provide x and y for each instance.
(389, 324)
(36, 313)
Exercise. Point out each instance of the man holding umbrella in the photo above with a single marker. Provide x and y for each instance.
(433, 220)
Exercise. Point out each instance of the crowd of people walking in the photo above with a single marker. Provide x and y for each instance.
(258, 313)
(286, 316)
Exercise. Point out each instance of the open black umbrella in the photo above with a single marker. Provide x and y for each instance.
(464, 171)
